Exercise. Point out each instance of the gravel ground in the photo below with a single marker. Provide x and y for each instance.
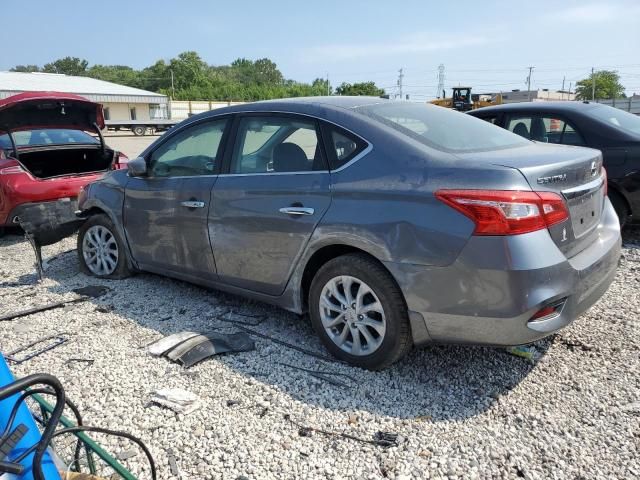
(461, 412)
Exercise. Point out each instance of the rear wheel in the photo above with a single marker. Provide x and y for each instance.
(101, 251)
(620, 206)
(359, 312)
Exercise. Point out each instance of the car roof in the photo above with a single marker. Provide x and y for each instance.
(545, 106)
(308, 105)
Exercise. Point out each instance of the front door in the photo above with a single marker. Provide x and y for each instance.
(268, 204)
(165, 213)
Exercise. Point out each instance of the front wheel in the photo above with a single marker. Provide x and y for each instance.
(139, 131)
(101, 251)
(359, 312)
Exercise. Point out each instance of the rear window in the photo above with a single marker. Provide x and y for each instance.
(442, 128)
(54, 136)
(617, 118)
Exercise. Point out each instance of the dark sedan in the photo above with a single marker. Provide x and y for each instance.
(393, 224)
(614, 132)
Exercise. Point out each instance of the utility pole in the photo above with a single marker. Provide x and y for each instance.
(529, 84)
(328, 85)
(173, 90)
(440, 80)
(593, 84)
(400, 77)
(563, 78)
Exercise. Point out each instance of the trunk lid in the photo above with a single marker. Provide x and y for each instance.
(573, 172)
(33, 110)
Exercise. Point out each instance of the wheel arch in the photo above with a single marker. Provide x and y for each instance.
(93, 207)
(325, 254)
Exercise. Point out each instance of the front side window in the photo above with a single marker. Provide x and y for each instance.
(276, 144)
(192, 151)
(441, 128)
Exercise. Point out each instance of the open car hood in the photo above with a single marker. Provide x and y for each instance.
(31, 110)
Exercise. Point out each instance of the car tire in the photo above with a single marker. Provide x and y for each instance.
(139, 131)
(385, 338)
(620, 206)
(101, 250)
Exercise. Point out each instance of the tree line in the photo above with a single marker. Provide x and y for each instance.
(188, 77)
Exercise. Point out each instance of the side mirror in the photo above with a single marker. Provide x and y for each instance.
(137, 167)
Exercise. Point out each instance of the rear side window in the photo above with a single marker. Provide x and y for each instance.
(492, 120)
(274, 144)
(342, 146)
(545, 128)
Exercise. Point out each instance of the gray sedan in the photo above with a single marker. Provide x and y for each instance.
(392, 224)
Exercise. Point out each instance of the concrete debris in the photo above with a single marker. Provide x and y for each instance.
(176, 399)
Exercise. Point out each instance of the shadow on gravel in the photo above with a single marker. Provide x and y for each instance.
(436, 383)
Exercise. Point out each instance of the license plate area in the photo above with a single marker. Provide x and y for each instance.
(585, 208)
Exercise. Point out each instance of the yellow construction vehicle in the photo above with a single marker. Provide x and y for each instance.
(463, 101)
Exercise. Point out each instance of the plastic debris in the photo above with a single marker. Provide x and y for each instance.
(523, 351)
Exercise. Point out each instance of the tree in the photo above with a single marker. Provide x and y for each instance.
(362, 88)
(607, 86)
(194, 79)
(67, 65)
(25, 68)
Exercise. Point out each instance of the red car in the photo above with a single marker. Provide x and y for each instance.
(46, 154)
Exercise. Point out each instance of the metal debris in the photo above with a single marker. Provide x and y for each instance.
(86, 293)
(56, 341)
(380, 439)
(323, 375)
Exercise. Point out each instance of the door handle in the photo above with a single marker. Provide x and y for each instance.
(297, 211)
(192, 204)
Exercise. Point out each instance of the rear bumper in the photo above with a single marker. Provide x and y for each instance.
(48, 222)
(491, 292)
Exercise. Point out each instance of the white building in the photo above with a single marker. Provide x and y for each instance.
(120, 103)
(543, 95)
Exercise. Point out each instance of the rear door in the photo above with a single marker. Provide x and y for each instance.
(165, 214)
(269, 201)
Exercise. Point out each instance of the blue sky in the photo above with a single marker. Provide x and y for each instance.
(488, 44)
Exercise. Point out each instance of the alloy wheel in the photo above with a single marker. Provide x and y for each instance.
(100, 250)
(352, 315)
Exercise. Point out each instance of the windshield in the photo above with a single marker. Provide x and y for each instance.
(53, 136)
(442, 128)
(618, 118)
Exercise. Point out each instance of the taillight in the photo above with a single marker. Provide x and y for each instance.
(604, 177)
(507, 212)
(11, 170)
(121, 161)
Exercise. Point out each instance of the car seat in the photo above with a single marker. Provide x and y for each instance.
(538, 130)
(521, 129)
(289, 157)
